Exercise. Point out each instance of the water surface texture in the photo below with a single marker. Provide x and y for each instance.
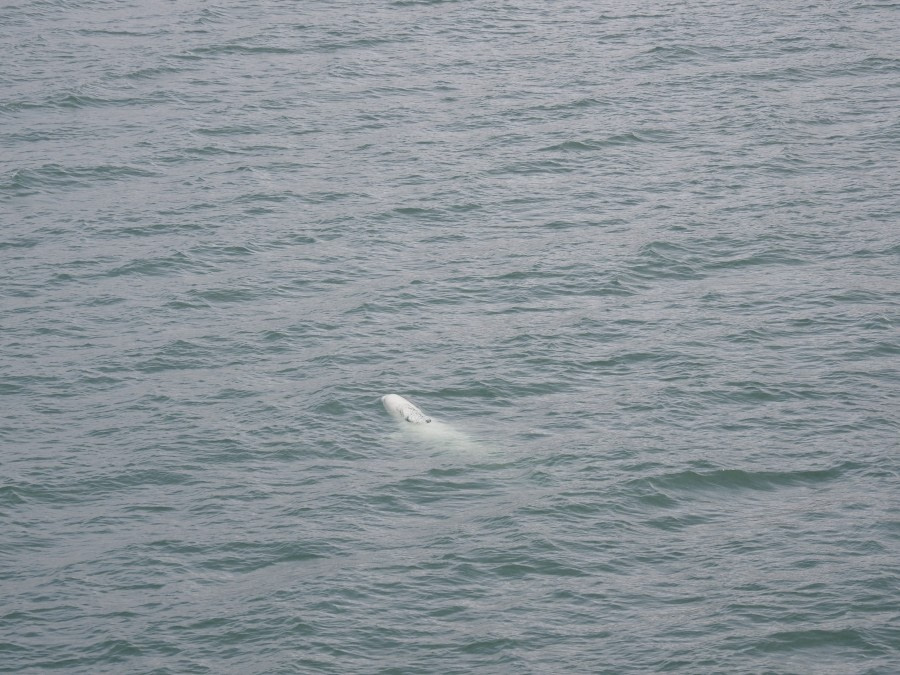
(639, 261)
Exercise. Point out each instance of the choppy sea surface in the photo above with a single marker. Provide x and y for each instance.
(640, 262)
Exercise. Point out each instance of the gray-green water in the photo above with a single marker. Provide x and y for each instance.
(641, 259)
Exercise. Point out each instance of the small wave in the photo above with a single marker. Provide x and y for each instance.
(413, 3)
(627, 138)
(577, 104)
(176, 263)
(533, 167)
(661, 260)
(18, 242)
(817, 640)
(10, 495)
(736, 479)
(243, 49)
(54, 176)
(677, 55)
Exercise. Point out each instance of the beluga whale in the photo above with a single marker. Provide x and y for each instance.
(404, 410)
(433, 433)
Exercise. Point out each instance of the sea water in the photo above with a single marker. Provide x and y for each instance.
(639, 260)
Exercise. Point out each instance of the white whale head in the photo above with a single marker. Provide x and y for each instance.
(403, 410)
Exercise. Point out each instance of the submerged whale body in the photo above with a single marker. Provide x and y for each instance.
(403, 410)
